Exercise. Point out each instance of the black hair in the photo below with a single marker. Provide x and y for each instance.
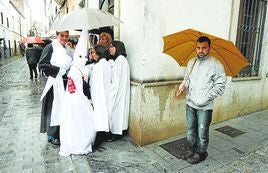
(100, 51)
(30, 45)
(203, 39)
(120, 48)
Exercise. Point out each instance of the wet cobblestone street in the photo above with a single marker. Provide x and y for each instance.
(24, 149)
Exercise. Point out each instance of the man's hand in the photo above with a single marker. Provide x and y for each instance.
(181, 89)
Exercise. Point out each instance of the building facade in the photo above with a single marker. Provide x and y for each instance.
(155, 112)
(13, 26)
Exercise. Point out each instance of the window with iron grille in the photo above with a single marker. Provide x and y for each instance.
(251, 22)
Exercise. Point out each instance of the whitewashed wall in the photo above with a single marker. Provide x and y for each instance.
(145, 22)
(92, 4)
(155, 114)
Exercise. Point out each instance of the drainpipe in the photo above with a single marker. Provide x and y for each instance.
(117, 14)
(231, 20)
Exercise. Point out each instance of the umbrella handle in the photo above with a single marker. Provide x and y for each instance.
(178, 92)
(182, 85)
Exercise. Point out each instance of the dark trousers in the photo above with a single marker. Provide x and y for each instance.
(54, 131)
(32, 68)
(198, 122)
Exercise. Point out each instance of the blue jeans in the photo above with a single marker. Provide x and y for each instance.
(198, 122)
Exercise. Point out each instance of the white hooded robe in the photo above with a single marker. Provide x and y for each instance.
(77, 132)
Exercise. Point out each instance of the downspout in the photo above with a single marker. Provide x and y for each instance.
(117, 13)
(231, 20)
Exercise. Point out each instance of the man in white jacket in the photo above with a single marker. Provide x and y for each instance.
(54, 62)
(205, 80)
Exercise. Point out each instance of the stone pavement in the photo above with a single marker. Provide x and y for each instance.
(24, 149)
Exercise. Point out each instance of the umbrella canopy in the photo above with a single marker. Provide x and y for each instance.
(85, 18)
(181, 46)
(33, 40)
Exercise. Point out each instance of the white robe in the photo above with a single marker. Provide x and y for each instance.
(120, 96)
(100, 82)
(77, 131)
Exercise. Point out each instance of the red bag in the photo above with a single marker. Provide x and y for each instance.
(71, 85)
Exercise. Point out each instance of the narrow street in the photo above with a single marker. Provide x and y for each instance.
(24, 149)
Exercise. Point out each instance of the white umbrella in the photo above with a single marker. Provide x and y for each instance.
(52, 33)
(85, 18)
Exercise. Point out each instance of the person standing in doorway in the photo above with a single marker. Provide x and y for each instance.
(22, 49)
(205, 80)
(54, 62)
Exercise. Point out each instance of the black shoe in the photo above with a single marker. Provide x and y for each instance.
(187, 154)
(184, 152)
(203, 156)
(55, 142)
(97, 148)
(194, 159)
(112, 138)
(197, 158)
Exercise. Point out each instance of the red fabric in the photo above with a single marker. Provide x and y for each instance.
(71, 85)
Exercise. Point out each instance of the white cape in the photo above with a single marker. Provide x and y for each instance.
(77, 131)
(61, 59)
(100, 82)
(120, 96)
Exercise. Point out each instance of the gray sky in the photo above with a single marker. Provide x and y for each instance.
(37, 7)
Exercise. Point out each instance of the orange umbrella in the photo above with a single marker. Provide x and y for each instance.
(33, 40)
(181, 46)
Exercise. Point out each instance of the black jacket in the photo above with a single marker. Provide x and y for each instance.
(32, 56)
(44, 62)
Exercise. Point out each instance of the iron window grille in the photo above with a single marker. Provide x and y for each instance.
(250, 29)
